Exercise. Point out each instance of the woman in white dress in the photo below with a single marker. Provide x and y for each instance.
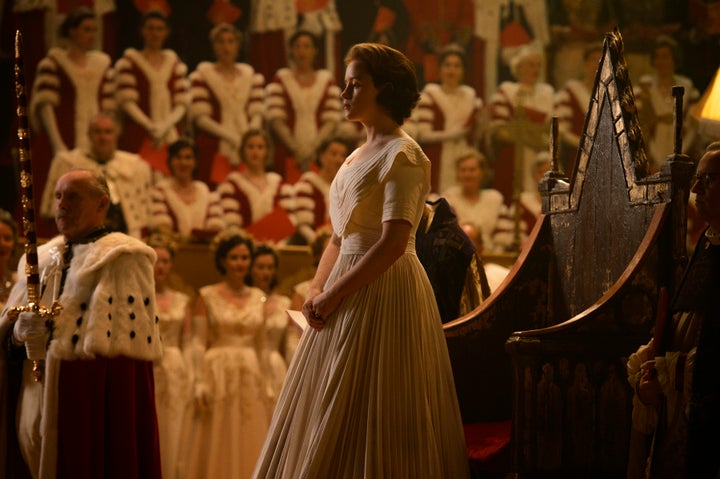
(173, 381)
(281, 334)
(181, 204)
(230, 379)
(447, 117)
(370, 391)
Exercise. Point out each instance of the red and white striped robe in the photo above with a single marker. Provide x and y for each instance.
(168, 211)
(237, 106)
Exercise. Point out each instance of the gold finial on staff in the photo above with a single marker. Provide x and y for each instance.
(26, 197)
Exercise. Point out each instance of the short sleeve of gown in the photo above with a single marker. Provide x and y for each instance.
(404, 190)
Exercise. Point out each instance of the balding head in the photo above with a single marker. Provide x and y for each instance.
(81, 202)
(103, 132)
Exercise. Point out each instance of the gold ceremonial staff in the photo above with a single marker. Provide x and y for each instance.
(28, 220)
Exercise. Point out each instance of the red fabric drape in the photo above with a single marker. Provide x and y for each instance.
(107, 424)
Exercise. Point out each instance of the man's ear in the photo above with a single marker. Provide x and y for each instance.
(104, 203)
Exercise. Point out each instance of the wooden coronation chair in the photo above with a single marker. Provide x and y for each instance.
(542, 361)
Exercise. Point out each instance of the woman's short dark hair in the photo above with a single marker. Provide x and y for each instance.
(74, 19)
(177, 146)
(225, 241)
(392, 73)
(263, 249)
(268, 142)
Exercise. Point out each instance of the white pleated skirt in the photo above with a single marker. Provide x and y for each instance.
(371, 395)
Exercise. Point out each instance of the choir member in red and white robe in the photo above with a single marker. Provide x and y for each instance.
(520, 118)
(227, 100)
(153, 93)
(447, 118)
(313, 189)
(249, 195)
(181, 204)
(302, 107)
(472, 202)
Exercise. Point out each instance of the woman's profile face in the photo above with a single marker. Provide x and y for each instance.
(360, 94)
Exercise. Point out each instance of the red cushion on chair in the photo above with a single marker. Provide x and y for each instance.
(488, 444)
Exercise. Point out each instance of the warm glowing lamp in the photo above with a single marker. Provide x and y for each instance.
(707, 110)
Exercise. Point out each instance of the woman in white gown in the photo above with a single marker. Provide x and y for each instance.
(370, 391)
(173, 382)
(230, 385)
(281, 335)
